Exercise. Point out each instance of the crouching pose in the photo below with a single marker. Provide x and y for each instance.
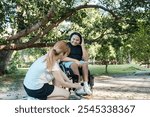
(45, 70)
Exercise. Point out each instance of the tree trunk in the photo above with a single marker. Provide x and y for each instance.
(4, 59)
(106, 68)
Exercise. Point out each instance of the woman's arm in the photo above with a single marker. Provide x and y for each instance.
(85, 53)
(65, 77)
(59, 78)
(66, 59)
(69, 59)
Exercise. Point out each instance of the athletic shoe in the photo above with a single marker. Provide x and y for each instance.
(32, 98)
(87, 90)
(81, 91)
(73, 96)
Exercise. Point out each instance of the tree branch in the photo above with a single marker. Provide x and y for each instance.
(33, 28)
(24, 46)
(50, 15)
(98, 6)
(47, 29)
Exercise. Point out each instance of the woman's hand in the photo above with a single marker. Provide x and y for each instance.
(77, 85)
(82, 44)
(78, 63)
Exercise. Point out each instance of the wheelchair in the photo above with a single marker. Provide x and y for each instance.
(74, 77)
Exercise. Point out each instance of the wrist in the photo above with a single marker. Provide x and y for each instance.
(75, 60)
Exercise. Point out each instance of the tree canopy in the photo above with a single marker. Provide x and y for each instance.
(110, 23)
(26, 23)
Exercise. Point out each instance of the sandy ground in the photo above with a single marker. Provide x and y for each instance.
(125, 87)
(105, 87)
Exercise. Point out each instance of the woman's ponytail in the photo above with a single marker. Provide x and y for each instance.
(59, 47)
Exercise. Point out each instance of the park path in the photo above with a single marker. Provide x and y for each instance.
(106, 87)
(124, 87)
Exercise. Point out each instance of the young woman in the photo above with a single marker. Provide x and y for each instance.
(78, 58)
(45, 70)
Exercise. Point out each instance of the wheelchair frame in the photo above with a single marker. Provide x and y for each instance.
(71, 75)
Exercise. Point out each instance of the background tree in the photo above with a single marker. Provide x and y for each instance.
(141, 44)
(31, 23)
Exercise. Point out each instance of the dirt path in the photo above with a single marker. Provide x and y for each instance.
(125, 87)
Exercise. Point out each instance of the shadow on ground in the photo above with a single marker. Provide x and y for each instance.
(106, 87)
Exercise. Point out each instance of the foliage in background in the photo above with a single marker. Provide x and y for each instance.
(24, 58)
(31, 23)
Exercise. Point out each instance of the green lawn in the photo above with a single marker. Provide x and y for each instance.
(116, 69)
(94, 69)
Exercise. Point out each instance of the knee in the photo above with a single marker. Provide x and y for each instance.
(66, 96)
(85, 65)
(74, 66)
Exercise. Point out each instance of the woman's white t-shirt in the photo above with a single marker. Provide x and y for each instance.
(37, 74)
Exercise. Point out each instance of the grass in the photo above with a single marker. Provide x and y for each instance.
(125, 69)
(13, 80)
(96, 70)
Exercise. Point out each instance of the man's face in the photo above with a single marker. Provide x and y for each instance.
(75, 40)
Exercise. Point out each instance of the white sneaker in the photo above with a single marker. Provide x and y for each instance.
(73, 96)
(32, 98)
(87, 90)
(81, 91)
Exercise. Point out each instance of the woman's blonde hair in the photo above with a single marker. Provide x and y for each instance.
(58, 48)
